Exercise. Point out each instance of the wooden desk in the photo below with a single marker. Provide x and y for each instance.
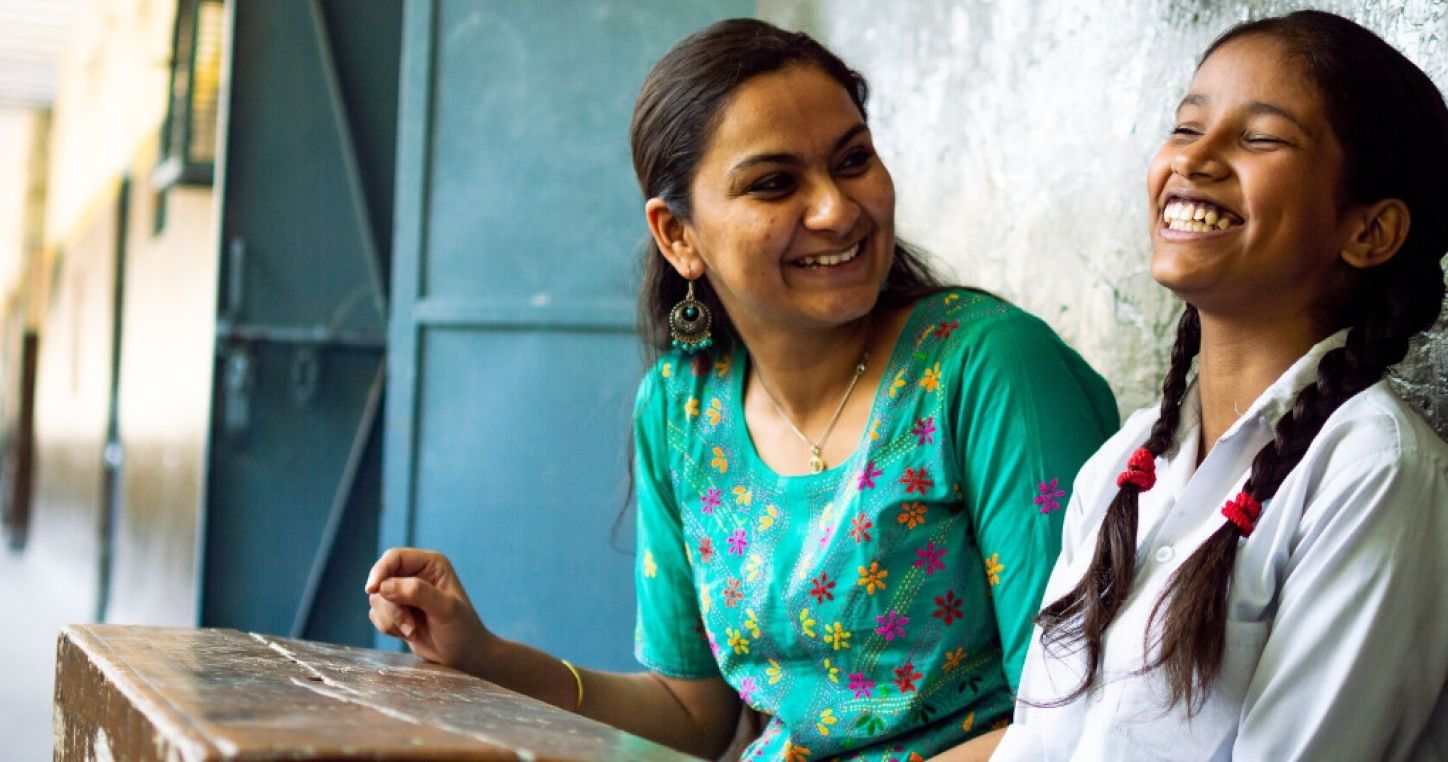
(149, 693)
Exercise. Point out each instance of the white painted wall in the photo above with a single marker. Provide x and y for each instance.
(1019, 132)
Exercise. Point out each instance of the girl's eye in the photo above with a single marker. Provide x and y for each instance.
(774, 184)
(856, 161)
(1185, 130)
(1263, 140)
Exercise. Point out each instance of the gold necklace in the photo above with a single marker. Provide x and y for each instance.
(816, 461)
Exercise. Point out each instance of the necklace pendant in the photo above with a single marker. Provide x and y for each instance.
(816, 463)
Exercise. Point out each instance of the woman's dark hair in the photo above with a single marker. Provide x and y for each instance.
(1393, 127)
(674, 118)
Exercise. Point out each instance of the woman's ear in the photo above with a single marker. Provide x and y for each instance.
(674, 239)
(1377, 233)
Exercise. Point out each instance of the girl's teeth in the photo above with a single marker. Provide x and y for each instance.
(1194, 216)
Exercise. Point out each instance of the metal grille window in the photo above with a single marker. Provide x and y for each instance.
(188, 142)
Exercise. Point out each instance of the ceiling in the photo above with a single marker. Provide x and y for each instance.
(33, 34)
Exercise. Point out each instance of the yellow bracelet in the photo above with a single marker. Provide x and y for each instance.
(577, 678)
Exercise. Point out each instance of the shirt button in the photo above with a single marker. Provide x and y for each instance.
(1165, 554)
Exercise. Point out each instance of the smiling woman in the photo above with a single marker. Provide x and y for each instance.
(847, 473)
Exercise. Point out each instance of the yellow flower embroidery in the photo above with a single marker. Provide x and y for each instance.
(912, 515)
(793, 752)
(837, 636)
(668, 369)
(875, 429)
(827, 514)
(691, 408)
(720, 462)
(706, 601)
(968, 723)
(737, 641)
(954, 658)
(751, 623)
(774, 672)
(931, 381)
(651, 569)
(752, 566)
(873, 579)
(715, 411)
(722, 367)
(742, 495)
(767, 519)
(993, 568)
(897, 384)
(806, 623)
(950, 298)
(827, 718)
(832, 672)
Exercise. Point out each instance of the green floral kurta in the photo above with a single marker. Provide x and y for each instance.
(883, 607)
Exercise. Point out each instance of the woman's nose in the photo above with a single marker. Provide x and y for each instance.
(831, 208)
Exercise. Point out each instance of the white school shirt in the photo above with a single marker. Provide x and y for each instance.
(1337, 639)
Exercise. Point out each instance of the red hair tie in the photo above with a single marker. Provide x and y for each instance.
(1140, 470)
(1243, 511)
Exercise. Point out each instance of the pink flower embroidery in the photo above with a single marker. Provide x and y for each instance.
(747, 686)
(924, 431)
(826, 535)
(737, 543)
(930, 558)
(706, 549)
(1049, 492)
(867, 476)
(860, 685)
(709, 501)
(916, 480)
(892, 625)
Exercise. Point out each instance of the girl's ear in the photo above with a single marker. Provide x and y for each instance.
(674, 238)
(1377, 233)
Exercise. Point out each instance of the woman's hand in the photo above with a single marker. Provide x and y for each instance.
(415, 595)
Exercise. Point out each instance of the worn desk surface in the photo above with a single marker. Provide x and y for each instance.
(148, 693)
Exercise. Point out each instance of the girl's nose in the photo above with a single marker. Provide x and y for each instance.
(1198, 160)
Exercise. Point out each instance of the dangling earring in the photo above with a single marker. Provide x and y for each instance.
(689, 322)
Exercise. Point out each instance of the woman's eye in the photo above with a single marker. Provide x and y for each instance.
(1263, 140)
(773, 184)
(1185, 130)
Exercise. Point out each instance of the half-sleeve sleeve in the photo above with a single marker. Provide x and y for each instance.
(1030, 412)
(669, 636)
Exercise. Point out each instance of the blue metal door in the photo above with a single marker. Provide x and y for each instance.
(513, 358)
(306, 198)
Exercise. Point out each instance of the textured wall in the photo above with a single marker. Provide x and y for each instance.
(1019, 133)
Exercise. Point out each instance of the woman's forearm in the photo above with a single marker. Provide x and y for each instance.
(694, 716)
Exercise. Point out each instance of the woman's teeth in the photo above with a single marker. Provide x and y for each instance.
(1197, 216)
(830, 260)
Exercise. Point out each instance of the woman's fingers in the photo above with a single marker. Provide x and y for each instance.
(390, 618)
(396, 562)
(418, 593)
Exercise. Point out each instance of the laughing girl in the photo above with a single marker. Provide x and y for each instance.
(1256, 569)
